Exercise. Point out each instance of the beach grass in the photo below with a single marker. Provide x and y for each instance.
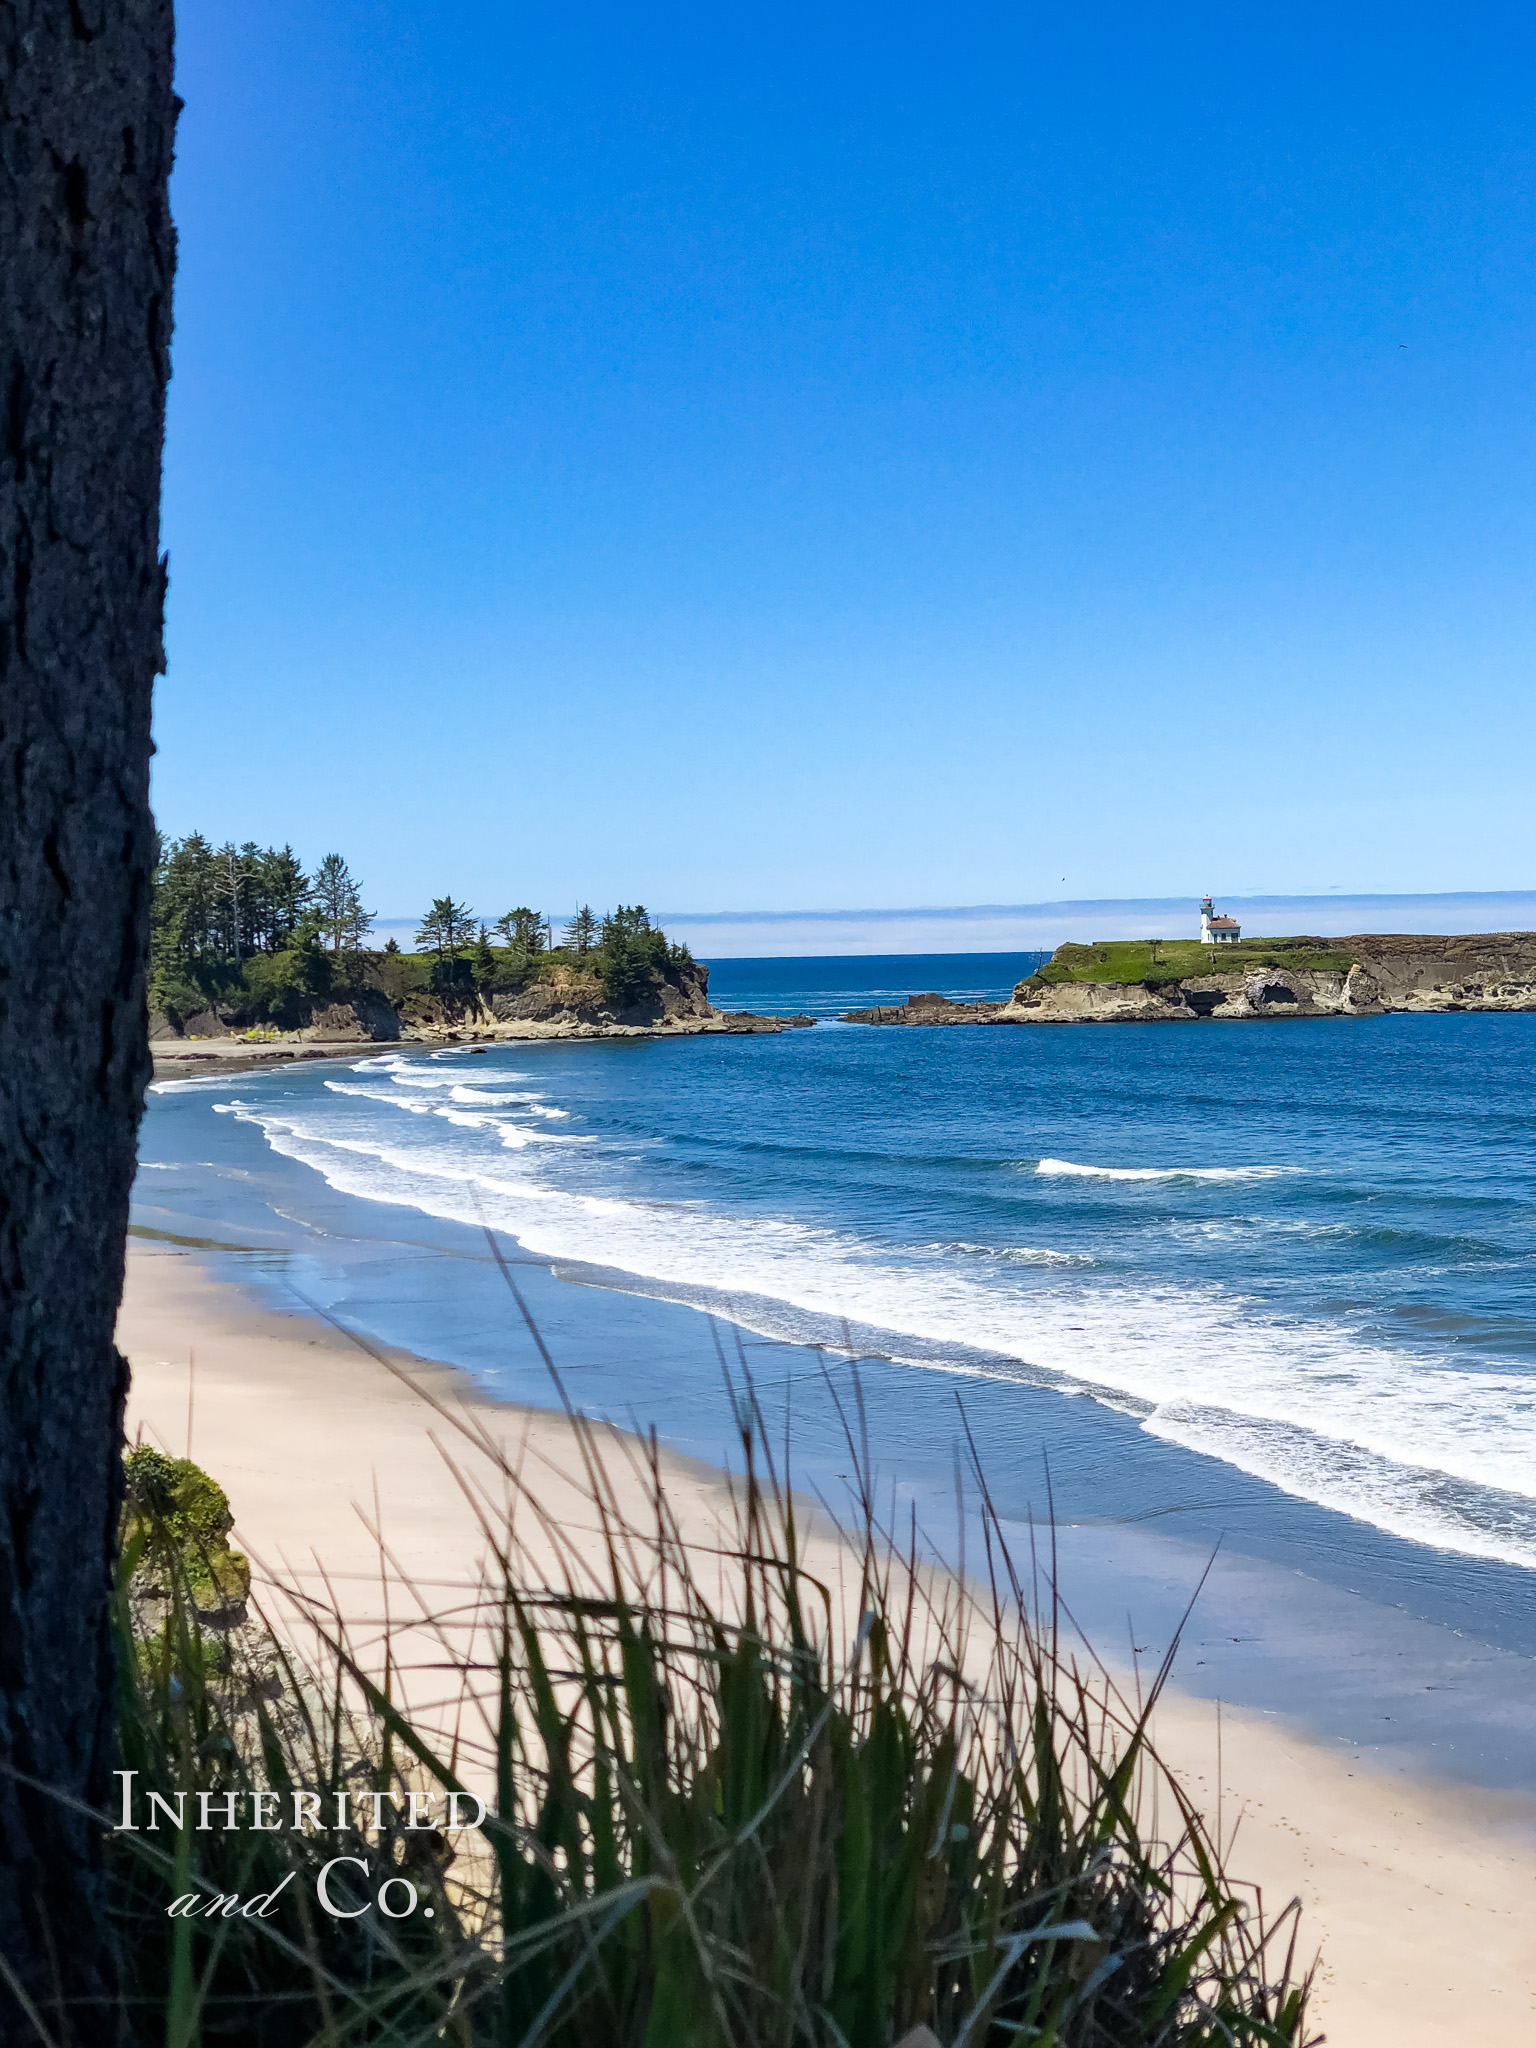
(733, 1800)
(1157, 961)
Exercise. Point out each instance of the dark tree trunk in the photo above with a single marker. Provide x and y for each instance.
(87, 252)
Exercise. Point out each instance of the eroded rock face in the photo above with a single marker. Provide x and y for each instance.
(1482, 971)
(571, 997)
(364, 1015)
(571, 1004)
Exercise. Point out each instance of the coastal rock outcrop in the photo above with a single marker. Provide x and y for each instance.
(568, 1003)
(565, 1003)
(925, 1009)
(678, 994)
(1266, 993)
(1365, 975)
(362, 1014)
(1421, 973)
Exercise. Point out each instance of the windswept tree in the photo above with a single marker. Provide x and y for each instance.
(87, 254)
(522, 930)
(446, 929)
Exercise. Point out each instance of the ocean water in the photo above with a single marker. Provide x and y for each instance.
(826, 987)
(1270, 1285)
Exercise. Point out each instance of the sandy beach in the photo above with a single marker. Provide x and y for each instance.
(1419, 1894)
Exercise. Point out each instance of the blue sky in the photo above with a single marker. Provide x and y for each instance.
(801, 459)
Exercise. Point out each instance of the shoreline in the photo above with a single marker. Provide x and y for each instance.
(175, 1059)
(1415, 1888)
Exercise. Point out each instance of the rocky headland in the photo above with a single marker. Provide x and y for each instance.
(564, 1004)
(1366, 975)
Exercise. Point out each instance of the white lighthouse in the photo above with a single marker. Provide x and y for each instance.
(1214, 930)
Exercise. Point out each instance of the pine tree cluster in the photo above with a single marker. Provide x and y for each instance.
(231, 921)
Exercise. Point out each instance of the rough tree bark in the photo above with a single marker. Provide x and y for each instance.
(87, 119)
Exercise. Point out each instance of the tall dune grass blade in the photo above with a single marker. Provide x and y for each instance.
(732, 1804)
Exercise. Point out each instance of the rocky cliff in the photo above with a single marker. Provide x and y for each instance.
(1409, 972)
(566, 1004)
(679, 995)
(355, 1014)
(572, 1004)
(1374, 974)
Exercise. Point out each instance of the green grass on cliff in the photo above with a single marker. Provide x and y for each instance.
(1167, 960)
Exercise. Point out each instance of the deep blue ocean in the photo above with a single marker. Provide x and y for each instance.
(1270, 1286)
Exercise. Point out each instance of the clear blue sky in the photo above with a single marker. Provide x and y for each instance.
(810, 457)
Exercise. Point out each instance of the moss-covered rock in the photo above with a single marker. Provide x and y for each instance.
(176, 1521)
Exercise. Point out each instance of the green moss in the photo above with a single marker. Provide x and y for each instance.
(178, 1519)
(1160, 962)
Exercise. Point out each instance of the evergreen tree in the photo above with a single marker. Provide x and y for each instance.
(339, 901)
(233, 882)
(282, 891)
(522, 930)
(185, 900)
(631, 956)
(482, 962)
(446, 928)
(582, 932)
(630, 920)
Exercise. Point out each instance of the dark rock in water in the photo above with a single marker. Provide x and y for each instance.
(749, 1020)
(930, 1008)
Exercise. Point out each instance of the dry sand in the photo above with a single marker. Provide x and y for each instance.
(1420, 1894)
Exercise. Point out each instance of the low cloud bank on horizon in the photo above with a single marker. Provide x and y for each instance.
(1026, 927)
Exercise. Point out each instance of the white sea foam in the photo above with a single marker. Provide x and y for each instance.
(522, 1098)
(1071, 1167)
(1420, 1445)
(1405, 1499)
(191, 1084)
(525, 1101)
(1021, 1254)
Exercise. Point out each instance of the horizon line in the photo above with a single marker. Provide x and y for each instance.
(960, 912)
